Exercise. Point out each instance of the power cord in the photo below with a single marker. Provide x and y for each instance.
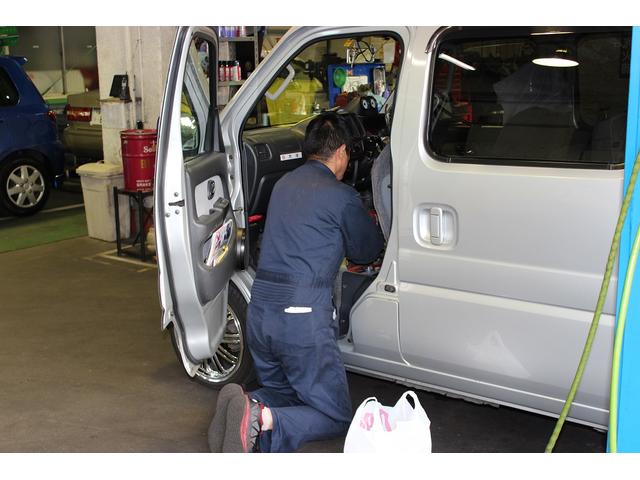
(615, 244)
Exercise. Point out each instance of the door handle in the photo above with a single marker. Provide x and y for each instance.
(211, 189)
(436, 225)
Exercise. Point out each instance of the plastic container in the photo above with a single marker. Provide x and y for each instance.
(98, 180)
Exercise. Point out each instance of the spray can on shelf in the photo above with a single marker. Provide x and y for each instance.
(242, 31)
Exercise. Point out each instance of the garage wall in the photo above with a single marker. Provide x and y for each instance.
(42, 47)
(143, 53)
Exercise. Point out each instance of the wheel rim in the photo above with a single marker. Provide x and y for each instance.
(25, 186)
(228, 357)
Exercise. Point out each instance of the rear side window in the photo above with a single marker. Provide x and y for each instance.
(530, 96)
(8, 92)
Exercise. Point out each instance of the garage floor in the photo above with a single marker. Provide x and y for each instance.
(84, 367)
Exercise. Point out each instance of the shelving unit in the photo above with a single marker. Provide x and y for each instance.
(229, 50)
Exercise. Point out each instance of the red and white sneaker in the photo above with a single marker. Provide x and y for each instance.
(219, 422)
(244, 422)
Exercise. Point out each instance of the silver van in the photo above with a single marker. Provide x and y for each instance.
(492, 159)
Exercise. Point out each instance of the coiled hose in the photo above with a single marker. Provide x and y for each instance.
(615, 244)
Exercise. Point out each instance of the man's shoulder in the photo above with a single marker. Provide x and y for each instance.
(307, 177)
(346, 191)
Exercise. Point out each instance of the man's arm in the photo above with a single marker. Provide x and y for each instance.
(363, 239)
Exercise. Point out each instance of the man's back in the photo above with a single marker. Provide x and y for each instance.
(313, 221)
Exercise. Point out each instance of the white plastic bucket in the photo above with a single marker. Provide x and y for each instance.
(98, 180)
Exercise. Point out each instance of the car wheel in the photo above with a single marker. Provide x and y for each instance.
(232, 362)
(24, 186)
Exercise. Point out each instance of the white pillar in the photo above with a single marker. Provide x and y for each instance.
(142, 53)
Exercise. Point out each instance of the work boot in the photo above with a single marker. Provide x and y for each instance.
(244, 422)
(218, 424)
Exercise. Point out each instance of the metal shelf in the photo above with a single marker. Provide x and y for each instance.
(228, 51)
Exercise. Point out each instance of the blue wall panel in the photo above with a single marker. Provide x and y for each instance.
(629, 399)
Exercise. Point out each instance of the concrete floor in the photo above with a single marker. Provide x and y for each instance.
(84, 367)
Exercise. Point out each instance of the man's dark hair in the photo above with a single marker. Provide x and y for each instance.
(324, 135)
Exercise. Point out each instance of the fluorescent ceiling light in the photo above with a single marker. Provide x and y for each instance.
(555, 62)
(558, 58)
(455, 61)
(552, 33)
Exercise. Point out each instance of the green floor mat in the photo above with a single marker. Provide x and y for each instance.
(19, 233)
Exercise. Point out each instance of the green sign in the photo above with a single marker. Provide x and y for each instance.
(8, 36)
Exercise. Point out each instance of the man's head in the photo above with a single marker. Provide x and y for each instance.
(327, 140)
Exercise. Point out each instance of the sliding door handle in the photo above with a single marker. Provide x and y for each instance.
(436, 228)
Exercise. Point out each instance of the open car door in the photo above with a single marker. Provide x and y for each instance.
(195, 226)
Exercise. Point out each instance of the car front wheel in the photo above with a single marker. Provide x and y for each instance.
(231, 363)
(25, 186)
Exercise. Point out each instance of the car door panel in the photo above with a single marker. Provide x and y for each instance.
(192, 206)
(503, 312)
(198, 176)
(499, 252)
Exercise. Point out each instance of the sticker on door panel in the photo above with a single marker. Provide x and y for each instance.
(290, 156)
(217, 246)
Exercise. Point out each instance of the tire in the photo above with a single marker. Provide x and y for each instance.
(218, 371)
(25, 185)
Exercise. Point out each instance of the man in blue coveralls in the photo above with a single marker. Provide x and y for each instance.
(313, 222)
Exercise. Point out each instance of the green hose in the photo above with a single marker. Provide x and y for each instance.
(617, 345)
(615, 244)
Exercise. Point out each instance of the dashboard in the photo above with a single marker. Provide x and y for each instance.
(272, 152)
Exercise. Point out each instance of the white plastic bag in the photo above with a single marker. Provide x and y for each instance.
(398, 429)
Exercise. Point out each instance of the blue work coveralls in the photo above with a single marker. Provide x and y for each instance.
(313, 222)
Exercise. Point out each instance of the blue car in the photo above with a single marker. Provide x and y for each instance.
(31, 155)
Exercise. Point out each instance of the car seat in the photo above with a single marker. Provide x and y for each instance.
(381, 187)
(541, 134)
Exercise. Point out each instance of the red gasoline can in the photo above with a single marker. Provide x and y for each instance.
(139, 158)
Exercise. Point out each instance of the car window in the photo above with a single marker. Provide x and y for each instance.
(529, 96)
(196, 110)
(189, 129)
(332, 73)
(8, 91)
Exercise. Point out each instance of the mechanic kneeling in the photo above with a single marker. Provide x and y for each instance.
(313, 222)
